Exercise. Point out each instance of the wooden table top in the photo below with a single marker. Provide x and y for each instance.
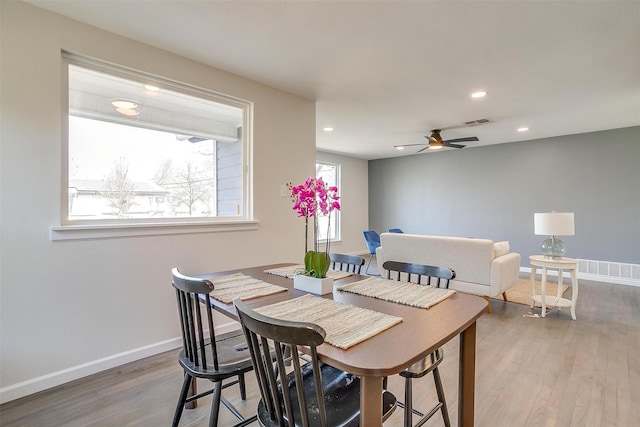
(421, 332)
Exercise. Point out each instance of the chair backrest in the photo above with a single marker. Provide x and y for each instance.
(439, 275)
(373, 240)
(196, 319)
(349, 263)
(266, 336)
(395, 230)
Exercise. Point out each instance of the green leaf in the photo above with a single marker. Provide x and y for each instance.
(321, 264)
(308, 262)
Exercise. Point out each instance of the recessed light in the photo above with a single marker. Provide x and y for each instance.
(123, 103)
(328, 129)
(479, 94)
(152, 88)
(523, 129)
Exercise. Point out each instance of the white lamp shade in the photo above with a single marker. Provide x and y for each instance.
(554, 224)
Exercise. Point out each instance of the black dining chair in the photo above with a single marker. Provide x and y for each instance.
(348, 263)
(430, 276)
(372, 239)
(310, 393)
(205, 355)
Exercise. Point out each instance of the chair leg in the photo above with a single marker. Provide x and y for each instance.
(366, 270)
(186, 385)
(215, 404)
(243, 387)
(504, 296)
(440, 392)
(408, 403)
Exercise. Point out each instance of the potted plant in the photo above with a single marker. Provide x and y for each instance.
(310, 199)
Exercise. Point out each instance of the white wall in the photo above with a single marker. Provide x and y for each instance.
(354, 193)
(71, 308)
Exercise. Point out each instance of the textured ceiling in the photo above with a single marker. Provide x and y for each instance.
(387, 72)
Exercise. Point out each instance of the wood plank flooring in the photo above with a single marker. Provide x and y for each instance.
(529, 372)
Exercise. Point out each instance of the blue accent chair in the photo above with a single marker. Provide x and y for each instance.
(395, 230)
(372, 238)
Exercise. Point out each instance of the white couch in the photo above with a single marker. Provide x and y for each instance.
(482, 267)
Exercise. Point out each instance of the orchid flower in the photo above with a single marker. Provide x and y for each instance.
(314, 198)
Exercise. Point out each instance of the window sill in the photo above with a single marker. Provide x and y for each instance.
(110, 231)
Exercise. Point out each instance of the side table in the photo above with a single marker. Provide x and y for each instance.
(560, 264)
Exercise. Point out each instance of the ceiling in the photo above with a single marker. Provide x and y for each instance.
(385, 73)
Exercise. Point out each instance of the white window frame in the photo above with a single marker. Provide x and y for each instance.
(336, 213)
(99, 229)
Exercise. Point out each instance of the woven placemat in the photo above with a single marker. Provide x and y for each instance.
(412, 294)
(292, 270)
(239, 285)
(345, 325)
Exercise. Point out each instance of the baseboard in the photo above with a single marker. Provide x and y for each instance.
(44, 382)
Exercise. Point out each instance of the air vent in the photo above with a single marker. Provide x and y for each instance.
(477, 122)
(611, 272)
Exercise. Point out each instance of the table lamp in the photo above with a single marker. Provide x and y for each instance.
(553, 224)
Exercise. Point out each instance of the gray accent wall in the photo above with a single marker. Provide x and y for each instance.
(493, 191)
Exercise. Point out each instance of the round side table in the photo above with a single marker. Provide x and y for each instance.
(560, 264)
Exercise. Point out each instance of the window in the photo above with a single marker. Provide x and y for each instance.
(330, 174)
(142, 149)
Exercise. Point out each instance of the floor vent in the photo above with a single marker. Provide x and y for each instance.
(611, 272)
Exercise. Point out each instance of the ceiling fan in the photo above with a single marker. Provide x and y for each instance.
(435, 142)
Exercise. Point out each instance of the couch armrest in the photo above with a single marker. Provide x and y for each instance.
(504, 273)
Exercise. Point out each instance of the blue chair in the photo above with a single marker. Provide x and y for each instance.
(373, 242)
(395, 230)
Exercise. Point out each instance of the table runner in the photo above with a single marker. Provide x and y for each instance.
(226, 288)
(411, 294)
(345, 325)
(290, 271)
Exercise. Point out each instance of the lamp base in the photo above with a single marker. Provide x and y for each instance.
(553, 248)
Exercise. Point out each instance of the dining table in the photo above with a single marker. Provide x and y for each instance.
(389, 352)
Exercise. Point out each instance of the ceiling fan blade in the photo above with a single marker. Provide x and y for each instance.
(420, 151)
(454, 145)
(467, 139)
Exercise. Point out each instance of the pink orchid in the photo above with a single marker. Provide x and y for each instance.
(314, 198)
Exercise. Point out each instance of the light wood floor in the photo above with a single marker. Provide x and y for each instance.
(529, 372)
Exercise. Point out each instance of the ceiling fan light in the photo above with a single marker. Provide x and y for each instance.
(435, 146)
(399, 147)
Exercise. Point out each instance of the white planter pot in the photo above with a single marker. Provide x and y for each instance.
(313, 284)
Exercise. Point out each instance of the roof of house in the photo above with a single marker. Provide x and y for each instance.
(141, 188)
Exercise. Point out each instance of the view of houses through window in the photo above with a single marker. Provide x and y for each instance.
(139, 151)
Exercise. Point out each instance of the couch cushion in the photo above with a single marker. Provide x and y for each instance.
(469, 258)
